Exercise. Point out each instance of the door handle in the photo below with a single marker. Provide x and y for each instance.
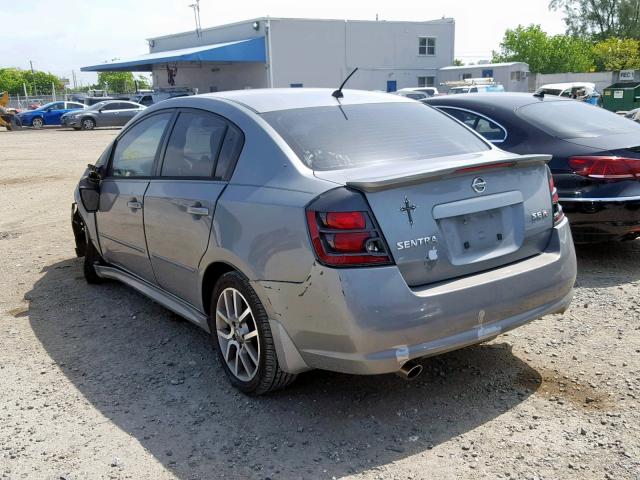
(198, 210)
(134, 205)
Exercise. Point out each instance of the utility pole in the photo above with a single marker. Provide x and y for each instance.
(196, 15)
(33, 77)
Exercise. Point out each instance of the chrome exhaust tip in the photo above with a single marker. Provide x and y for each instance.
(410, 370)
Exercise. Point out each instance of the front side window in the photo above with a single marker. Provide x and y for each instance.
(193, 146)
(136, 150)
(485, 127)
(333, 138)
(426, 46)
(111, 106)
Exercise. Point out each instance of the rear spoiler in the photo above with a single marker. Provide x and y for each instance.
(375, 184)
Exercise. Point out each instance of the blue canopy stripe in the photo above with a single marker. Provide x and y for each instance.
(249, 50)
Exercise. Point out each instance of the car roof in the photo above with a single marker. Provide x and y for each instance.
(272, 99)
(506, 100)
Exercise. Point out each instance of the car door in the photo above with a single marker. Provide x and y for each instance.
(120, 216)
(125, 112)
(106, 116)
(53, 114)
(180, 202)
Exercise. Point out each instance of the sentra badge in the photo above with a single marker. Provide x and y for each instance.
(416, 242)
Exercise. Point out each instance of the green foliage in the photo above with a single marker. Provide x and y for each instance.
(617, 54)
(600, 19)
(38, 83)
(544, 53)
(458, 63)
(121, 82)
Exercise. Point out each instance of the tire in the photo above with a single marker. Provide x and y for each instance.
(237, 346)
(88, 123)
(37, 122)
(91, 257)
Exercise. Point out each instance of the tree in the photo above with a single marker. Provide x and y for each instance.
(121, 82)
(600, 19)
(457, 62)
(13, 80)
(544, 53)
(617, 54)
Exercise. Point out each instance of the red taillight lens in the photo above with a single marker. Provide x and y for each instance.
(346, 239)
(558, 214)
(606, 167)
(346, 220)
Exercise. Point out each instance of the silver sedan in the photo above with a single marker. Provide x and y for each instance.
(304, 229)
(110, 113)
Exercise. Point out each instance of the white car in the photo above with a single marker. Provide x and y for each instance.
(418, 93)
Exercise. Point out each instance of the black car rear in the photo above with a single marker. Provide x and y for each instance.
(596, 154)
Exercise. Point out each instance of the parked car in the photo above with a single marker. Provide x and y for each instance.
(34, 103)
(427, 91)
(585, 91)
(596, 154)
(49, 114)
(412, 95)
(110, 113)
(145, 99)
(476, 89)
(306, 232)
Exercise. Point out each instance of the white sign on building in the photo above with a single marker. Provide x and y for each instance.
(626, 75)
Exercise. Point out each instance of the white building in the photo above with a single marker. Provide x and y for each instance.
(513, 76)
(288, 52)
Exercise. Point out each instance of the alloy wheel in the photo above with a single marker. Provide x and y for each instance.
(238, 336)
(37, 122)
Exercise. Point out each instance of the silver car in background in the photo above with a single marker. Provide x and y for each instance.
(109, 113)
(352, 234)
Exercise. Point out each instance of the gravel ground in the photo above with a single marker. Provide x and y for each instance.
(99, 382)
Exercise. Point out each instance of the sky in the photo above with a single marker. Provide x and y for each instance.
(62, 36)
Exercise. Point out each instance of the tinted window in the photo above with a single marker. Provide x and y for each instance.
(485, 127)
(126, 106)
(331, 138)
(111, 106)
(74, 105)
(571, 119)
(233, 142)
(57, 106)
(136, 149)
(193, 145)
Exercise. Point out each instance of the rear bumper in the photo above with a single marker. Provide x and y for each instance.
(603, 219)
(368, 321)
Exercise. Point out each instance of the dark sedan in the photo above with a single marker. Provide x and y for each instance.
(596, 154)
(110, 113)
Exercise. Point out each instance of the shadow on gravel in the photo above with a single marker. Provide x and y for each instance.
(608, 264)
(156, 378)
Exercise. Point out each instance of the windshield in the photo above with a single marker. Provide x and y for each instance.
(549, 91)
(572, 119)
(334, 138)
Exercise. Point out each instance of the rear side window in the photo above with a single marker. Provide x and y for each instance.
(231, 148)
(136, 150)
(126, 106)
(111, 106)
(333, 138)
(485, 127)
(573, 119)
(193, 145)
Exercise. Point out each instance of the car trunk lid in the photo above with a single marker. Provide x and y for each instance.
(455, 216)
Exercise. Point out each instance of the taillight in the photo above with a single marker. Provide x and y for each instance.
(606, 167)
(342, 236)
(558, 214)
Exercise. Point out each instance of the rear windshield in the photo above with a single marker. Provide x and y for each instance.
(573, 119)
(334, 138)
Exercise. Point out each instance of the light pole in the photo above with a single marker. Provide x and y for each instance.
(196, 15)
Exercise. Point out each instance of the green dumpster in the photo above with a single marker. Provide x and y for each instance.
(623, 96)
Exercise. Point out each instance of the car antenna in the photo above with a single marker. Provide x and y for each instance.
(338, 93)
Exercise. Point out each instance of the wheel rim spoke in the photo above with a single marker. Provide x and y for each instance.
(238, 335)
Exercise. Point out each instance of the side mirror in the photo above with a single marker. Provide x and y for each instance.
(89, 189)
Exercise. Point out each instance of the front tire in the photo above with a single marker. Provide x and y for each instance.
(37, 122)
(88, 124)
(241, 336)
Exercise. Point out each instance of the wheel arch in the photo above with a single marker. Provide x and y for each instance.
(212, 274)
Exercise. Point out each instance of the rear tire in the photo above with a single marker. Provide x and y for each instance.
(91, 257)
(88, 124)
(240, 334)
(37, 122)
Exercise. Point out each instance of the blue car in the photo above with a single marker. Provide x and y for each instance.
(48, 114)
